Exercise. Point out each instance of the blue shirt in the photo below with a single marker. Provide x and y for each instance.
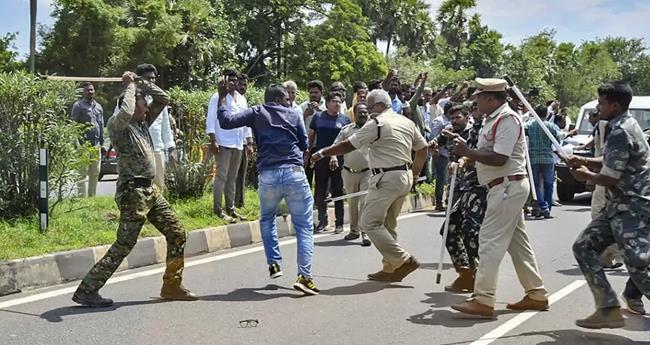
(93, 113)
(278, 130)
(327, 128)
(396, 104)
(437, 125)
(540, 147)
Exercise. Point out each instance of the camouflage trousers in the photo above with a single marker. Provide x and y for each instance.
(631, 232)
(464, 224)
(138, 204)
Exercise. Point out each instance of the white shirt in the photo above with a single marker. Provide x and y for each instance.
(303, 107)
(231, 138)
(434, 112)
(161, 132)
(443, 101)
(550, 114)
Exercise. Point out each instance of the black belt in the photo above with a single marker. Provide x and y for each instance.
(356, 171)
(404, 167)
(141, 182)
(500, 180)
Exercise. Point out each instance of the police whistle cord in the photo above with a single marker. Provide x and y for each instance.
(445, 232)
(541, 123)
(357, 194)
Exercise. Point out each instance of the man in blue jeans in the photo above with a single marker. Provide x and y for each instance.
(281, 140)
(540, 151)
(440, 156)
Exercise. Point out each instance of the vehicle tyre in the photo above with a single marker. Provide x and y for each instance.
(565, 192)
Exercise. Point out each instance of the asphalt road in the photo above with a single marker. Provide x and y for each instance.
(234, 286)
(106, 187)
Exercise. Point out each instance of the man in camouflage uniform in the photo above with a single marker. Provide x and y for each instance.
(467, 211)
(625, 172)
(137, 197)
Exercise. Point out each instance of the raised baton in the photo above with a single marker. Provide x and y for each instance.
(541, 123)
(445, 232)
(354, 195)
(90, 79)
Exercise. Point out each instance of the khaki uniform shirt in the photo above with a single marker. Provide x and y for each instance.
(507, 139)
(131, 139)
(392, 145)
(357, 159)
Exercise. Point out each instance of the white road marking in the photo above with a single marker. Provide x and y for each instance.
(521, 318)
(152, 271)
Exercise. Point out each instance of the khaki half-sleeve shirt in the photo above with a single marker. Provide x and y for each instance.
(505, 138)
(390, 138)
(357, 159)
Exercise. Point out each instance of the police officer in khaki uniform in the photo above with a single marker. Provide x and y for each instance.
(390, 138)
(501, 166)
(355, 172)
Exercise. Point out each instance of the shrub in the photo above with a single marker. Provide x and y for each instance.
(34, 113)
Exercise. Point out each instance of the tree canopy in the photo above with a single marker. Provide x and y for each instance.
(191, 41)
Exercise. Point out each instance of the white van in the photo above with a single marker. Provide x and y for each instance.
(567, 186)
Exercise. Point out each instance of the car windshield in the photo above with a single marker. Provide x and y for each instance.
(642, 116)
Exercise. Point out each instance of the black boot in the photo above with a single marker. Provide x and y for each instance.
(91, 299)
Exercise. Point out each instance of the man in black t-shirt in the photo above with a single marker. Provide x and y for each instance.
(323, 130)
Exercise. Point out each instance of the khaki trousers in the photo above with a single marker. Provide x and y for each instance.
(386, 194)
(159, 179)
(598, 200)
(504, 230)
(355, 182)
(89, 175)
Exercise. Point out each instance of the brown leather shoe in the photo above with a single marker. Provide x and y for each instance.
(464, 283)
(528, 303)
(409, 266)
(381, 276)
(474, 308)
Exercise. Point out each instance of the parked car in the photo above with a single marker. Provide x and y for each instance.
(567, 186)
(109, 162)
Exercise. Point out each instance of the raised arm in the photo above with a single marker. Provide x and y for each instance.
(127, 107)
(160, 100)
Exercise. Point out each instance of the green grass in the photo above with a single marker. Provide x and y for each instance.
(428, 189)
(93, 221)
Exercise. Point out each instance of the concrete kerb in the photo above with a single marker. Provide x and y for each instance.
(40, 271)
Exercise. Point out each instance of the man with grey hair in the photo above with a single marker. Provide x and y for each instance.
(292, 91)
(390, 140)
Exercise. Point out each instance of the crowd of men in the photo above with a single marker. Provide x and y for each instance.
(381, 139)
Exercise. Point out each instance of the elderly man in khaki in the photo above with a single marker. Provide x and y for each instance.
(355, 172)
(501, 165)
(390, 138)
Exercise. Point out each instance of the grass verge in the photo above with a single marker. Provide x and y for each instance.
(80, 223)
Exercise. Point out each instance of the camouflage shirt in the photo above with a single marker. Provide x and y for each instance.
(468, 177)
(131, 139)
(626, 158)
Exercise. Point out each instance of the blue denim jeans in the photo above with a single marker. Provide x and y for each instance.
(291, 185)
(544, 173)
